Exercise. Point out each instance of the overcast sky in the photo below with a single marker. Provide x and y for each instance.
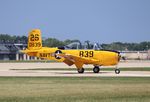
(102, 21)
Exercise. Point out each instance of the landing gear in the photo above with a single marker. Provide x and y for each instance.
(117, 71)
(81, 70)
(96, 69)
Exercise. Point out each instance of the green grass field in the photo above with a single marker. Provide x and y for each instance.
(74, 89)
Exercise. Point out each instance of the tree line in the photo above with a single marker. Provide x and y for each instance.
(53, 42)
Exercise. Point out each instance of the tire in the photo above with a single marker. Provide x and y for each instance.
(117, 71)
(96, 69)
(81, 70)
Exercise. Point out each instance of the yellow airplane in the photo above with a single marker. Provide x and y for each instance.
(78, 57)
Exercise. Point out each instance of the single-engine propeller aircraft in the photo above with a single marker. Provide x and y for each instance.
(70, 55)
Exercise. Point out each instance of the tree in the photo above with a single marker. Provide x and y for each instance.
(53, 42)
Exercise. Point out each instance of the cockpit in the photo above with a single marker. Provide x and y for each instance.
(79, 45)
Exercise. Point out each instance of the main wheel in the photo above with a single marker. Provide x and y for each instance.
(81, 70)
(96, 69)
(117, 71)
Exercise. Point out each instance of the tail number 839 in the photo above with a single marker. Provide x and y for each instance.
(86, 53)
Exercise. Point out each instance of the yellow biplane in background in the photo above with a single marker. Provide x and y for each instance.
(70, 55)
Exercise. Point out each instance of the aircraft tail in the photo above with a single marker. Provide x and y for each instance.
(34, 40)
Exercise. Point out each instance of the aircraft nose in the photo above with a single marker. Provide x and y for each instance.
(117, 52)
(119, 57)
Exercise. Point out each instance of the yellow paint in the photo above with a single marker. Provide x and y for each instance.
(35, 40)
(70, 57)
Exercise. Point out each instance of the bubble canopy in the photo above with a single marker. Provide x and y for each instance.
(79, 45)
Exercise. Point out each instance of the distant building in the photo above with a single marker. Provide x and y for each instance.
(148, 54)
(135, 55)
(11, 52)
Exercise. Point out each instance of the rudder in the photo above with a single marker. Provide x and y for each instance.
(34, 40)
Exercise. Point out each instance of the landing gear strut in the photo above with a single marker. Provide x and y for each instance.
(96, 69)
(81, 70)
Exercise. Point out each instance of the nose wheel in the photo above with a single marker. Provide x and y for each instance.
(117, 71)
(96, 69)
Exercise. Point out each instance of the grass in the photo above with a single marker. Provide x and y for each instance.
(74, 89)
(103, 69)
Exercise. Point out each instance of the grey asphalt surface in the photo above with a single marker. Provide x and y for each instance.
(6, 70)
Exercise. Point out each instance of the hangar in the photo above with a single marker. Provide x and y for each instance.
(11, 52)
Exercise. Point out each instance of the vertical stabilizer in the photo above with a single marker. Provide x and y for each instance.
(34, 40)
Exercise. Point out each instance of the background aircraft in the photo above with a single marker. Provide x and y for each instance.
(70, 55)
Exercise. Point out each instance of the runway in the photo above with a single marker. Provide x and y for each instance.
(62, 73)
(24, 70)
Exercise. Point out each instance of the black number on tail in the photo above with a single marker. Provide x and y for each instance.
(34, 37)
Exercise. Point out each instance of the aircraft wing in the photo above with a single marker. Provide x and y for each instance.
(72, 59)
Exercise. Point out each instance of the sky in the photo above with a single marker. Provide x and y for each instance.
(102, 21)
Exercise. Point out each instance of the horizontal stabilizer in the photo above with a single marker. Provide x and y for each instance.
(28, 51)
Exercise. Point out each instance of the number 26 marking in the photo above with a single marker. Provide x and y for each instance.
(34, 37)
